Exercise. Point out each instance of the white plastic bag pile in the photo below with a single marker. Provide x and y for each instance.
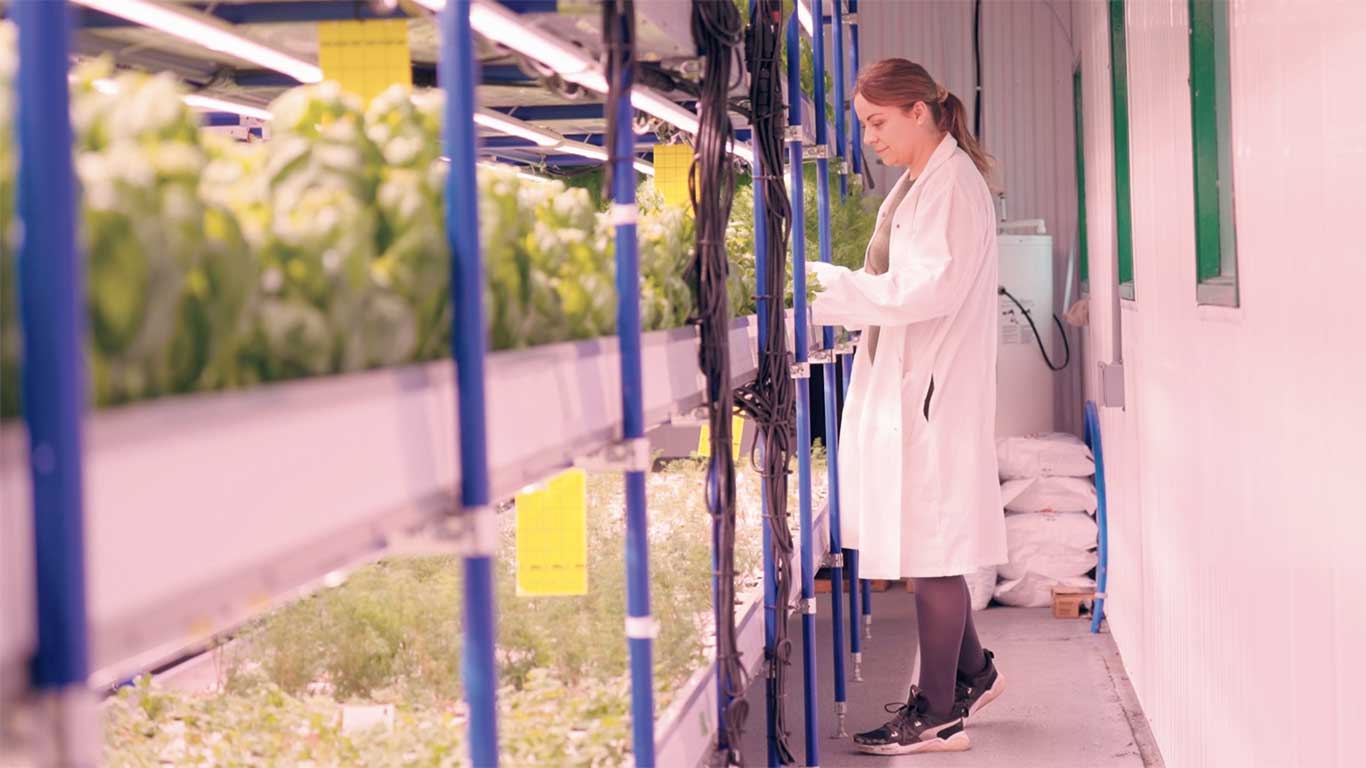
(1050, 532)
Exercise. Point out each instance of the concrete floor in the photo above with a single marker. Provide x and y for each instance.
(1068, 703)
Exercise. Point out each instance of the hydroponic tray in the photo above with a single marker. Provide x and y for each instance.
(203, 510)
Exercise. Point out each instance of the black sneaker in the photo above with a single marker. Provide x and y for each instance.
(973, 693)
(914, 730)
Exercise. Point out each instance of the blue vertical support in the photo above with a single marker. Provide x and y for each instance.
(640, 625)
(1103, 565)
(841, 107)
(857, 139)
(52, 315)
(830, 382)
(771, 616)
(801, 346)
(851, 560)
(458, 74)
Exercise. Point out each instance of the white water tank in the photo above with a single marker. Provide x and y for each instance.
(1024, 383)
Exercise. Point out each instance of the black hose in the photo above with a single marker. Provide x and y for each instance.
(1067, 349)
(977, 69)
(718, 34)
(770, 400)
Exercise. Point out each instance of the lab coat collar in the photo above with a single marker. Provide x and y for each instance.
(941, 154)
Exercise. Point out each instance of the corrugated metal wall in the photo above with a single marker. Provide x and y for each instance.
(1027, 63)
(1237, 577)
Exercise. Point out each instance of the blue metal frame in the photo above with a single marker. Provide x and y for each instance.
(771, 616)
(801, 345)
(856, 142)
(841, 110)
(633, 417)
(470, 341)
(831, 378)
(52, 315)
(1103, 566)
(297, 12)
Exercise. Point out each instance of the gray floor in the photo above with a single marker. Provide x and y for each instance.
(1068, 703)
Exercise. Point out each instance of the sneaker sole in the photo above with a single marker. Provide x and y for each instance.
(959, 742)
(991, 694)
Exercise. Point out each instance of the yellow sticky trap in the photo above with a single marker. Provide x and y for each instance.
(365, 57)
(552, 537)
(672, 164)
(737, 433)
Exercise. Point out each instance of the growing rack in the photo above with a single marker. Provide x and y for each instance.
(112, 567)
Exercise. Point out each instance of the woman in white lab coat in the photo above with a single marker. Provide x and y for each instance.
(920, 495)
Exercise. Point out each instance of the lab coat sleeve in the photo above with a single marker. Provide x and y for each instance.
(928, 279)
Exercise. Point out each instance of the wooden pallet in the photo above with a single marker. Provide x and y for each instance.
(1067, 601)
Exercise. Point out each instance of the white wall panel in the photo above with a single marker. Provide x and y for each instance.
(1237, 585)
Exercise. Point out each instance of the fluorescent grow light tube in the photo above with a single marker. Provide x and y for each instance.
(212, 104)
(206, 31)
(197, 101)
(570, 62)
(804, 18)
(514, 127)
(583, 150)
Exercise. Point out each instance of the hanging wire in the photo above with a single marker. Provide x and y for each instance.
(770, 400)
(717, 31)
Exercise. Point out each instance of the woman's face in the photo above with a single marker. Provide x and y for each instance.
(898, 136)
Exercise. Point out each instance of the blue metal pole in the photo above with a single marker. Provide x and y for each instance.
(828, 343)
(52, 315)
(841, 145)
(639, 623)
(458, 74)
(802, 344)
(771, 617)
(1103, 567)
(857, 141)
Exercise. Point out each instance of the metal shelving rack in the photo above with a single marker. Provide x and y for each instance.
(357, 464)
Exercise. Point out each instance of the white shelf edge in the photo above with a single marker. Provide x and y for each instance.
(193, 526)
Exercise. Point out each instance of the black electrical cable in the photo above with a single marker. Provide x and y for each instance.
(718, 34)
(1067, 349)
(977, 69)
(770, 400)
(619, 44)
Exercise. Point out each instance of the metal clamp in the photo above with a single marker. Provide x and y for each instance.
(834, 560)
(851, 18)
(631, 455)
(822, 356)
(801, 370)
(846, 347)
(807, 605)
(844, 167)
(794, 133)
(476, 530)
(816, 152)
(691, 417)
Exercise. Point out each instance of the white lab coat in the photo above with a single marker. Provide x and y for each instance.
(919, 491)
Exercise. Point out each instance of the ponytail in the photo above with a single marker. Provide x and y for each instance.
(952, 117)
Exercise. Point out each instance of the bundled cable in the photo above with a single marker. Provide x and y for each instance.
(770, 400)
(619, 35)
(716, 29)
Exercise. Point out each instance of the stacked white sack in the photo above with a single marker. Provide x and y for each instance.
(1049, 500)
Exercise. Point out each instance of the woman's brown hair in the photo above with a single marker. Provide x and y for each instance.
(901, 83)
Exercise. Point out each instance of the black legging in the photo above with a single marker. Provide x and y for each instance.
(948, 640)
